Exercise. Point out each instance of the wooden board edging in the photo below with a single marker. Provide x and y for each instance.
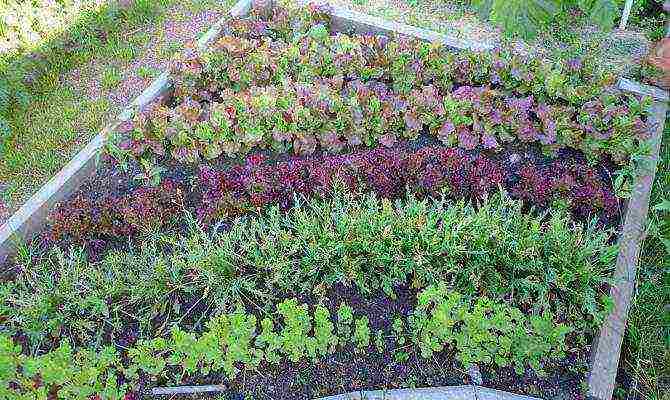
(348, 21)
(644, 90)
(462, 392)
(186, 390)
(606, 350)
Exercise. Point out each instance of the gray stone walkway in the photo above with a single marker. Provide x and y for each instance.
(464, 392)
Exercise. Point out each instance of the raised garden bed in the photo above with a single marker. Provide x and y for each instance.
(328, 218)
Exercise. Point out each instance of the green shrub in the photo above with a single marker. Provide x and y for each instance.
(526, 17)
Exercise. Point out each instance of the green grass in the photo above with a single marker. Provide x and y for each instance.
(169, 49)
(147, 72)
(196, 6)
(121, 49)
(647, 345)
(56, 119)
(61, 121)
(111, 77)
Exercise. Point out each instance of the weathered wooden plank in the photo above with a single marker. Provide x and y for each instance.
(184, 390)
(240, 9)
(157, 88)
(645, 90)
(607, 347)
(349, 21)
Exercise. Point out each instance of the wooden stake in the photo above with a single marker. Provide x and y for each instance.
(626, 13)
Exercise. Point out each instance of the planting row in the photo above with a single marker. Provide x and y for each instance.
(390, 173)
(481, 331)
(332, 115)
(258, 51)
(537, 262)
(334, 92)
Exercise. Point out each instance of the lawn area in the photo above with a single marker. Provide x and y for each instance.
(310, 213)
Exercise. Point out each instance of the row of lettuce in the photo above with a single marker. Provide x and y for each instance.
(259, 182)
(519, 289)
(272, 82)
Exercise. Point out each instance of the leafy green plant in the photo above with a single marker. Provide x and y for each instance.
(380, 341)
(524, 17)
(601, 12)
(345, 317)
(478, 330)
(398, 327)
(10, 361)
(527, 17)
(296, 327)
(324, 331)
(270, 341)
(483, 331)
(152, 173)
(362, 333)
(147, 357)
(235, 333)
(399, 334)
